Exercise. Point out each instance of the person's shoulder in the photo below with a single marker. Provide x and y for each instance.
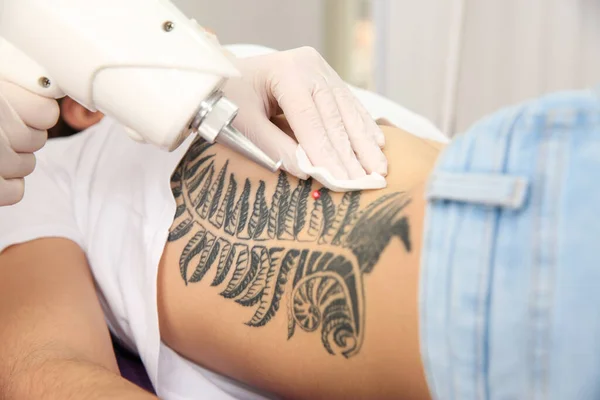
(57, 149)
(105, 146)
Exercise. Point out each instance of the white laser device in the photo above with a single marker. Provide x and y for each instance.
(142, 62)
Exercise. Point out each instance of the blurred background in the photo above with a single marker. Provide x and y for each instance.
(453, 61)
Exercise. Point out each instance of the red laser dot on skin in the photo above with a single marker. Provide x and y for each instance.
(316, 194)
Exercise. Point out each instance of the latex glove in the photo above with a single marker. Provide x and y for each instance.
(24, 120)
(330, 124)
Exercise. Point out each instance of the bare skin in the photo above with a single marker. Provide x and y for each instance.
(207, 327)
(55, 343)
(382, 360)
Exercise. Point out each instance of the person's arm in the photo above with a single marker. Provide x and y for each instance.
(54, 343)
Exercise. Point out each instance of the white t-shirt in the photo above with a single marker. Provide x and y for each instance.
(112, 197)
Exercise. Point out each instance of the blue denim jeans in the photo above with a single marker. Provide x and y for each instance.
(510, 272)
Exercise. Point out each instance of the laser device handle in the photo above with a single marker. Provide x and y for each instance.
(16, 67)
(142, 62)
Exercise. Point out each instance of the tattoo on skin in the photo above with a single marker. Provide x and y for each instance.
(261, 246)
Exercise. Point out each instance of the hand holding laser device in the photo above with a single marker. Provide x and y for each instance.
(142, 62)
(161, 75)
(24, 119)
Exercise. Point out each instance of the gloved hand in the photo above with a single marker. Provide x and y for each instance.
(24, 120)
(330, 124)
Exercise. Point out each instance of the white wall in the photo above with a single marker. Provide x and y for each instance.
(411, 51)
(511, 50)
(281, 24)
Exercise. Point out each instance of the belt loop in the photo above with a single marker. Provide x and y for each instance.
(493, 190)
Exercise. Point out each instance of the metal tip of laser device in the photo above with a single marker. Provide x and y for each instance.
(235, 140)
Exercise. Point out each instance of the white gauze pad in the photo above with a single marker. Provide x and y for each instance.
(369, 182)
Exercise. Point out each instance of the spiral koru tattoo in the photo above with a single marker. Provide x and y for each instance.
(260, 245)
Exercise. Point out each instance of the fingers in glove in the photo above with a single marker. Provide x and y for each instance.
(304, 118)
(275, 143)
(361, 133)
(376, 131)
(27, 140)
(36, 111)
(282, 147)
(16, 166)
(341, 88)
(21, 138)
(338, 132)
(11, 191)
